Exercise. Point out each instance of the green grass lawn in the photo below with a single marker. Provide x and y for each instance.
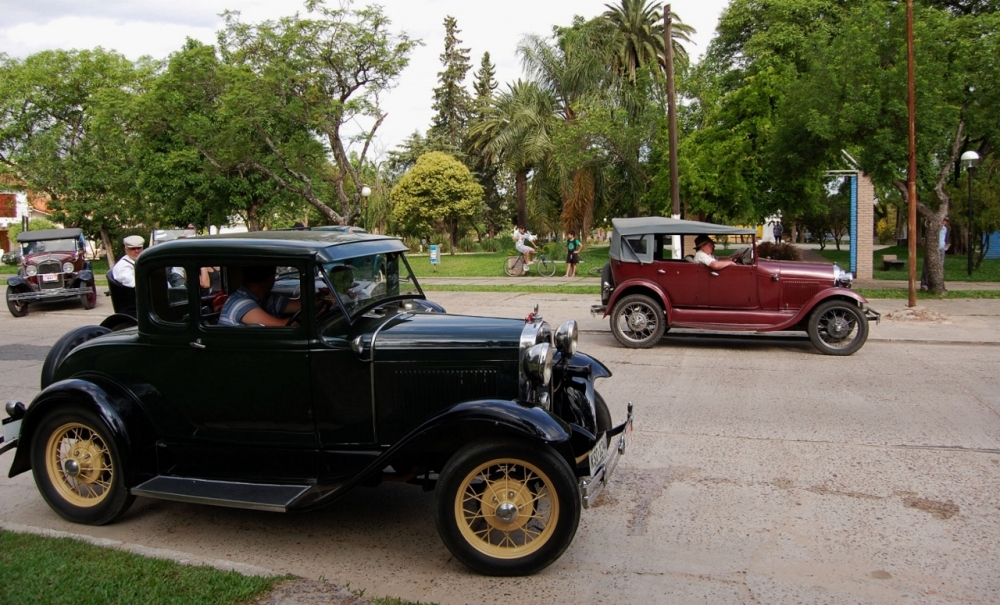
(955, 267)
(100, 267)
(490, 264)
(34, 569)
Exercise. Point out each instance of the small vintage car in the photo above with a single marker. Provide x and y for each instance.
(53, 267)
(652, 284)
(362, 385)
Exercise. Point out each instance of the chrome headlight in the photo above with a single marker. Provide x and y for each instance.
(567, 337)
(538, 363)
(67, 267)
(31, 270)
(842, 278)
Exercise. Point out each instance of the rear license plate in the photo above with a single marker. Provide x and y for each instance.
(47, 277)
(598, 454)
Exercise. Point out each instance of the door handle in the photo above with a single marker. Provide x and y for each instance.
(774, 277)
(197, 344)
(661, 271)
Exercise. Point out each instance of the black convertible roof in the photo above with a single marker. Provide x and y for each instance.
(42, 235)
(661, 225)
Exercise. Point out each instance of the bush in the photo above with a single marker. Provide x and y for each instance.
(885, 230)
(780, 251)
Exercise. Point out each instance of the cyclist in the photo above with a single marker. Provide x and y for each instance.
(522, 240)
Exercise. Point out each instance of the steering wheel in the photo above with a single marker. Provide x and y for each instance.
(294, 318)
(743, 257)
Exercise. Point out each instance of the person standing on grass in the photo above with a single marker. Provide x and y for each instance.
(573, 247)
(778, 231)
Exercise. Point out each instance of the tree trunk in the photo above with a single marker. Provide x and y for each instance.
(521, 189)
(108, 252)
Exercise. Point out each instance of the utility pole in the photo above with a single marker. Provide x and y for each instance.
(911, 173)
(668, 47)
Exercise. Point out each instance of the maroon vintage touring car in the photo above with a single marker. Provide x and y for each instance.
(652, 284)
(53, 267)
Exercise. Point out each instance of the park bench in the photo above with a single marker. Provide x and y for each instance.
(890, 262)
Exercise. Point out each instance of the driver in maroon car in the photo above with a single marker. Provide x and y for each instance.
(705, 247)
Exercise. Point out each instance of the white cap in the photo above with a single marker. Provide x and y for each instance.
(133, 241)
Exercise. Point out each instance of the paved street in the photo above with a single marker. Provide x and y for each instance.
(761, 472)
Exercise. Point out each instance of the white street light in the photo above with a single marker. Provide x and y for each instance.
(970, 159)
(366, 190)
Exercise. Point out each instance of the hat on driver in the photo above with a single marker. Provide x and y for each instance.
(133, 241)
(701, 240)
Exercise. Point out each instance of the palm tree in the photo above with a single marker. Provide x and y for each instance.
(515, 132)
(574, 69)
(640, 40)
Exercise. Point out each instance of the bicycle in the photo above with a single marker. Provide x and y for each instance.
(516, 265)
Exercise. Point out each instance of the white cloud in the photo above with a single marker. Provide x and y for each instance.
(143, 27)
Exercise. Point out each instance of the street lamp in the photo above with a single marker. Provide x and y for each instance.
(970, 159)
(366, 190)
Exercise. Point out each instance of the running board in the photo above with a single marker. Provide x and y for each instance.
(255, 496)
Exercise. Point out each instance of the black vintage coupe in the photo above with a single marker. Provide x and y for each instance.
(366, 383)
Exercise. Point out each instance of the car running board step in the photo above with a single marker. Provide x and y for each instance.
(255, 496)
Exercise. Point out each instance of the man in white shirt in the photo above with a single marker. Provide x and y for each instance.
(705, 247)
(124, 269)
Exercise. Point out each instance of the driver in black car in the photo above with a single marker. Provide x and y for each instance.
(706, 247)
(254, 304)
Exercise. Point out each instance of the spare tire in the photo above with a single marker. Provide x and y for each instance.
(69, 341)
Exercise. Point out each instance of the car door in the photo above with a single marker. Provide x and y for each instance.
(734, 287)
(241, 394)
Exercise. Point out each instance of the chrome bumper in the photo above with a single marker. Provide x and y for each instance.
(620, 438)
(48, 294)
(873, 315)
(595, 309)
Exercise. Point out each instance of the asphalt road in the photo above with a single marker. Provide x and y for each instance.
(761, 472)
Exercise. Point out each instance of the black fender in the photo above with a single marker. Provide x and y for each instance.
(19, 283)
(437, 439)
(127, 422)
(84, 276)
(573, 393)
(119, 321)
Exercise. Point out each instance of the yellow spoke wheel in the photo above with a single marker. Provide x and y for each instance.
(506, 509)
(79, 464)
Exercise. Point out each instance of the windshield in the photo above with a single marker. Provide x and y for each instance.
(363, 282)
(51, 245)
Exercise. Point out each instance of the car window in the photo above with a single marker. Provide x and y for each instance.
(50, 245)
(168, 295)
(641, 246)
(365, 281)
(227, 295)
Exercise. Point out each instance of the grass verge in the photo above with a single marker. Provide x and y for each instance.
(894, 293)
(36, 569)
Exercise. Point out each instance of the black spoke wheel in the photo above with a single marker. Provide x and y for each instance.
(638, 321)
(838, 327)
(545, 266)
(89, 299)
(513, 266)
(506, 508)
(78, 469)
(16, 308)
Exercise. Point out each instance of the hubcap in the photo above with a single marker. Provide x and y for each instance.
(637, 321)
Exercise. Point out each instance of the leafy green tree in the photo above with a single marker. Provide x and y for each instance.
(436, 195)
(323, 74)
(452, 102)
(495, 213)
(55, 112)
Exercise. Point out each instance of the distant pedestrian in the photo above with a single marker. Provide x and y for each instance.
(573, 247)
(778, 231)
(942, 248)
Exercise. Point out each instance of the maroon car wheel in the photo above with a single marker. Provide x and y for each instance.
(638, 322)
(17, 309)
(89, 299)
(837, 327)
